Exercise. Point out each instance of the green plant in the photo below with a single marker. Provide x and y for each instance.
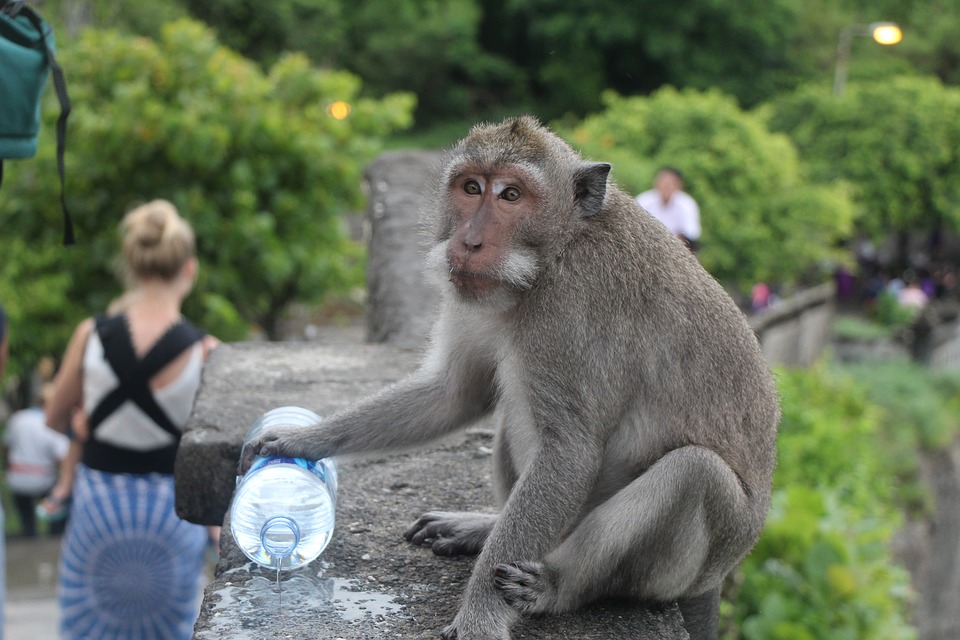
(762, 219)
(918, 405)
(822, 570)
(858, 329)
(822, 567)
(890, 313)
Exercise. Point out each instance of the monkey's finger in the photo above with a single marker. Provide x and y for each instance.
(450, 547)
(429, 532)
(449, 633)
(511, 574)
(422, 523)
(269, 444)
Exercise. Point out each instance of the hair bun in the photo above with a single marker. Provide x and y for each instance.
(156, 240)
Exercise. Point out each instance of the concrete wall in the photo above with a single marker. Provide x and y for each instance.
(369, 583)
(795, 331)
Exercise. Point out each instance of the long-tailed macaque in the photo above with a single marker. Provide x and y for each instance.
(636, 418)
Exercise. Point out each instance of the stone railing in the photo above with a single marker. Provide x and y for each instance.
(369, 583)
(795, 331)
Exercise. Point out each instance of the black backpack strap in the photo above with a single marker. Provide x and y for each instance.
(60, 84)
(134, 374)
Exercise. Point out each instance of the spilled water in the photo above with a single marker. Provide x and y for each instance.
(308, 599)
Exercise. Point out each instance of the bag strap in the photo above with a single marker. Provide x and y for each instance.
(11, 7)
(135, 373)
(61, 86)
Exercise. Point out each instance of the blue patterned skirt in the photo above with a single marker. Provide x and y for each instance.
(129, 567)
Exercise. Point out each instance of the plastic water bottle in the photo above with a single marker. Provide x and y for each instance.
(282, 514)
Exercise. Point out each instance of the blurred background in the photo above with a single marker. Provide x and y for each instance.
(821, 139)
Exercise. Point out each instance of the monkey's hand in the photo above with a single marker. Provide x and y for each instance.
(528, 587)
(464, 630)
(452, 533)
(292, 443)
(483, 614)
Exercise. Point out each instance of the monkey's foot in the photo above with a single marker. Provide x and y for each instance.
(525, 586)
(452, 633)
(452, 533)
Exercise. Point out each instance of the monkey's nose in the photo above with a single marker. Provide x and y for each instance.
(472, 242)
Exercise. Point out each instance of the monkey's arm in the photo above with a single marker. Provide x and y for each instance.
(541, 508)
(446, 393)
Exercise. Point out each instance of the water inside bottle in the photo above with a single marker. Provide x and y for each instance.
(294, 523)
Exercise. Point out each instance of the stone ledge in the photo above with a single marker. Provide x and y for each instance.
(369, 583)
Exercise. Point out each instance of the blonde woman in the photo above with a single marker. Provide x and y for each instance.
(129, 567)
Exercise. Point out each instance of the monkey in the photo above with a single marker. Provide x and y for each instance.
(635, 416)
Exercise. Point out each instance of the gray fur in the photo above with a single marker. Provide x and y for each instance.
(636, 416)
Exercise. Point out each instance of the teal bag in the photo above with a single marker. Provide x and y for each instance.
(26, 58)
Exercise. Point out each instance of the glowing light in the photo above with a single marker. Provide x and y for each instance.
(886, 32)
(339, 109)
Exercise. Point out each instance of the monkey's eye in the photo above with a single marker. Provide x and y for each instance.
(510, 194)
(472, 187)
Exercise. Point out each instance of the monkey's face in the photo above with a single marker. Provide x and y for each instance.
(490, 209)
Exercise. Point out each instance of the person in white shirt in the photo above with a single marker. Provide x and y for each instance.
(674, 207)
(32, 452)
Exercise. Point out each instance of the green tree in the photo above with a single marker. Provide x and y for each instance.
(263, 31)
(762, 220)
(897, 142)
(429, 47)
(33, 291)
(253, 160)
(931, 38)
(572, 50)
(69, 17)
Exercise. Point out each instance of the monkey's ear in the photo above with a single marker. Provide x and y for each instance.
(590, 187)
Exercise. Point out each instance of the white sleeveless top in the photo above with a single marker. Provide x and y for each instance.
(129, 427)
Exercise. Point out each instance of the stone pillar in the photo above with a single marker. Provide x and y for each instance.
(402, 298)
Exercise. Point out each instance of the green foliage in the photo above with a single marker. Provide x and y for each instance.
(577, 48)
(931, 37)
(252, 160)
(552, 57)
(33, 291)
(852, 328)
(888, 311)
(822, 567)
(921, 407)
(68, 17)
(263, 31)
(762, 220)
(897, 141)
(429, 47)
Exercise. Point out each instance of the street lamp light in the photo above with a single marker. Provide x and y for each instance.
(886, 33)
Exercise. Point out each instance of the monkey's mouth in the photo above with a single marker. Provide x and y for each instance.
(472, 282)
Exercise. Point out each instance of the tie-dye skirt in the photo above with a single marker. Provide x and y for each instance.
(129, 567)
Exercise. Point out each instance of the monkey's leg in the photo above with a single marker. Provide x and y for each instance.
(452, 533)
(701, 614)
(674, 532)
